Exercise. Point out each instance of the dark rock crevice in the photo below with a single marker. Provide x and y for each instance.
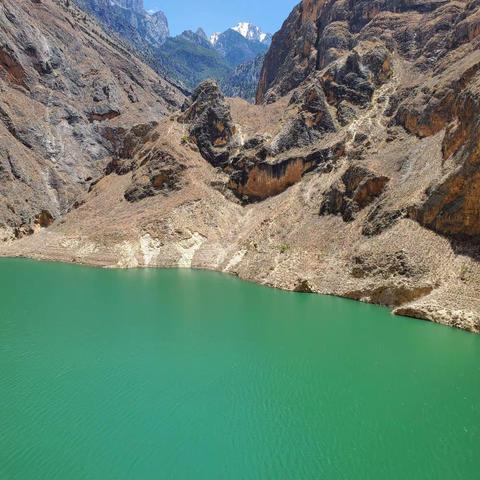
(357, 189)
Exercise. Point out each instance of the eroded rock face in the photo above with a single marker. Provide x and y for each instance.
(311, 123)
(158, 172)
(63, 84)
(211, 125)
(261, 167)
(257, 180)
(319, 32)
(129, 19)
(452, 205)
(356, 46)
(392, 265)
(355, 77)
(125, 143)
(292, 55)
(357, 189)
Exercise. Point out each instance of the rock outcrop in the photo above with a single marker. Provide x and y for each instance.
(357, 189)
(158, 172)
(312, 121)
(210, 123)
(260, 167)
(255, 179)
(452, 204)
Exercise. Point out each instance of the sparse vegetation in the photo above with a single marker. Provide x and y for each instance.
(464, 272)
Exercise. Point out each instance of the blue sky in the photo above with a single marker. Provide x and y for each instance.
(218, 15)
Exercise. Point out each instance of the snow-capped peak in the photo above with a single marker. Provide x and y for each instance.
(250, 31)
(214, 38)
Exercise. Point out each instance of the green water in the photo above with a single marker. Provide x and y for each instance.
(111, 375)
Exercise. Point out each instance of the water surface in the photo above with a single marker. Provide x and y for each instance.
(151, 374)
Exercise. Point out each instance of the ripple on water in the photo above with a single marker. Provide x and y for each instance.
(178, 374)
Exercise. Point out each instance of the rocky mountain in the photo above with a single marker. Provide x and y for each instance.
(129, 19)
(252, 32)
(356, 173)
(68, 94)
(248, 31)
(189, 58)
(237, 49)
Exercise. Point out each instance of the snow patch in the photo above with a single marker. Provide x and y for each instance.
(250, 31)
(214, 38)
(243, 28)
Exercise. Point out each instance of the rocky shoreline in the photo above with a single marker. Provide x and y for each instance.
(422, 300)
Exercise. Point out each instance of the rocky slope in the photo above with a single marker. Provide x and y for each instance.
(243, 81)
(355, 175)
(67, 93)
(129, 19)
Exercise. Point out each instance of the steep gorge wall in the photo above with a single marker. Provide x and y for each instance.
(63, 81)
(423, 35)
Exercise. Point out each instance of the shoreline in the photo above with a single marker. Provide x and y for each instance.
(400, 311)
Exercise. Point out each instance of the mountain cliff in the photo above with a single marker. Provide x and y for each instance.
(129, 19)
(67, 90)
(356, 174)
(243, 81)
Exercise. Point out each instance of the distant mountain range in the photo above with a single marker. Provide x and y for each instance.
(233, 57)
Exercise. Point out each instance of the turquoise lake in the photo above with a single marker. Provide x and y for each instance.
(173, 374)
